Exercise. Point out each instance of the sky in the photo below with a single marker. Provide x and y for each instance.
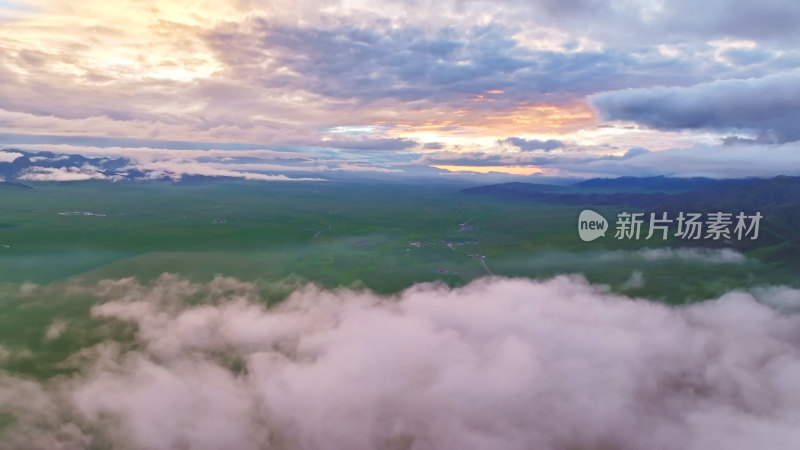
(380, 88)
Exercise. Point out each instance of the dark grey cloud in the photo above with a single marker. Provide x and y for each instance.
(475, 158)
(533, 144)
(768, 106)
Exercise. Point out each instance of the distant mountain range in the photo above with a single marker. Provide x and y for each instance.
(655, 192)
(33, 166)
(777, 199)
(49, 166)
(603, 191)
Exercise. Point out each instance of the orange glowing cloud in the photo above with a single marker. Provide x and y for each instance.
(560, 119)
(510, 170)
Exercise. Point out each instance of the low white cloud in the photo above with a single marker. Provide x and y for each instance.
(4, 353)
(27, 288)
(63, 174)
(6, 156)
(174, 163)
(500, 363)
(178, 169)
(56, 329)
(698, 255)
(782, 298)
(635, 281)
(9, 354)
(148, 154)
(332, 166)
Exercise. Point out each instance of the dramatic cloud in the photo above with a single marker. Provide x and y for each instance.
(455, 75)
(475, 67)
(500, 363)
(769, 106)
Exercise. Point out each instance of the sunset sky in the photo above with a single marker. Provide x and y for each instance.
(531, 89)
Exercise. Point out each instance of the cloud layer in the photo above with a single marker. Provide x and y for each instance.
(393, 85)
(769, 106)
(500, 363)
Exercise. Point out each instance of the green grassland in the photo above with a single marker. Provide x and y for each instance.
(381, 236)
(334, 234)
